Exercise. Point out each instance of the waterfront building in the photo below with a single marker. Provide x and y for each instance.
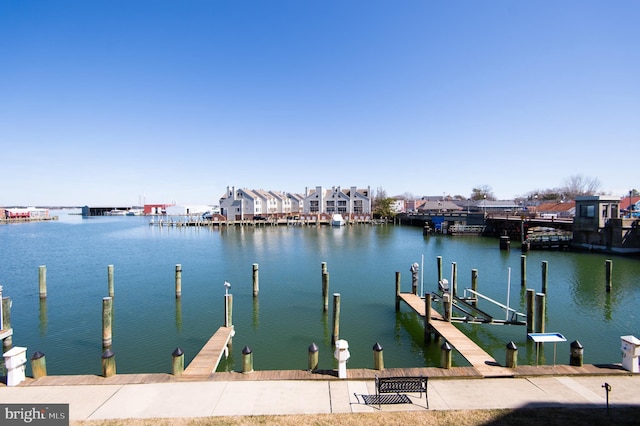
(153, 209)
(336, 200)
(187, 210)
(25, 213)
(244, 203)
(597, 225)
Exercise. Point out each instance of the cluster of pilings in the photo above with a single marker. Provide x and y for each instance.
(536, 312)
(535, 309)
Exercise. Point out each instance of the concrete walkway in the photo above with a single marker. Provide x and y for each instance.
(268, 397)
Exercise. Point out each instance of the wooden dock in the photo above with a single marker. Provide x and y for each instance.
(206, 362)
(484, 363)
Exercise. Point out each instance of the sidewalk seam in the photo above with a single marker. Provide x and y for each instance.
(120, 387)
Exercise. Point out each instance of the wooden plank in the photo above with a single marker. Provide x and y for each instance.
(206, 362)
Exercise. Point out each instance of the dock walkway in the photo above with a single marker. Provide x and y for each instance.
(484, 363)
(206, 362)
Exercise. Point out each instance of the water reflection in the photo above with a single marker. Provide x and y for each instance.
(43, 316)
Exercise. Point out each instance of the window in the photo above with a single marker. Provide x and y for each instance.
(587, 211)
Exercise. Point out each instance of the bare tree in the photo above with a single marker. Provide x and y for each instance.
(580, 185)
(482, 192)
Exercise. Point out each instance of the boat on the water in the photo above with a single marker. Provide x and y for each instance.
(337, 220)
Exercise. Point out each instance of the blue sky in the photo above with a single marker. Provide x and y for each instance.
(113, 102)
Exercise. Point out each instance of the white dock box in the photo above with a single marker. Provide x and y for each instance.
(15, 357)
(15, 360)
(630, 346)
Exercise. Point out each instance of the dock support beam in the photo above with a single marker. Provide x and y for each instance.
(512, 355)
(608, 275)
(397, 291)
(110, 280)
(178, 280)
(531, 294)
(539, 313)
(325, 291)
(378, 357)
(474, 286)
(336, 318)
(107, 321)
(445, 355)
(256, 280)
(313, 357)
(427, 317)
(42, 279)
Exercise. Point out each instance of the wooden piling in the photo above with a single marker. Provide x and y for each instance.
(414, 278)
(539, 313)
(427, 317)
(313, 357)
(397, 291)
(323, 267)
(247, 360)
(228, 310)
(545, 275)
(177, 362)
(446, 302)
(505, 242)
(531, 294)
(38, 365)
(107, 321)
(110, 280)
(178, 280)
(256, 279)
(336, 318)
(42, 278)
(445, 355)
(378, 357)
(325, 291)
(7, 342)
(454, 279)
(608, 275)
(474, 286)
(108, 363)
(577, 352)
(523, 271)
(439, 263)
(512, 355)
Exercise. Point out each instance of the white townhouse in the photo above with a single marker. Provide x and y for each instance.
(239, 204)
(282, 202)
(336, 200)
(296, 201)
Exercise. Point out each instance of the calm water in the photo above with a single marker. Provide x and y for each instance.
(287, 316)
